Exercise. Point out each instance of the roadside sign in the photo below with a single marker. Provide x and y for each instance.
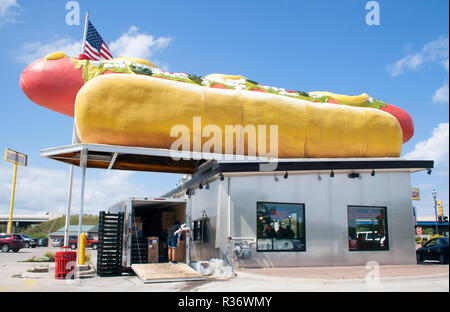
(415, 193)
(419, 230)
(16, 157)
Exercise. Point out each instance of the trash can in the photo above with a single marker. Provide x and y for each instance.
(62, 260)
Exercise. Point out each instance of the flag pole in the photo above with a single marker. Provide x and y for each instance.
(75, 140)
(85, 31)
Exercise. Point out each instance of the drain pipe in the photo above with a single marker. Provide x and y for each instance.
(229, 206)
(229, 223)
(188, 223)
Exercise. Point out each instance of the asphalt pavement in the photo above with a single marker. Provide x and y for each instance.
(429, 277)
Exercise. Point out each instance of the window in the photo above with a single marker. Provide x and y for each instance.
(280, 227)
(367, 228)
(200, 230)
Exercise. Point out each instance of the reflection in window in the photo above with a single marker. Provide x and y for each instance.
(280, 227)
(200, 230)
(367, 228)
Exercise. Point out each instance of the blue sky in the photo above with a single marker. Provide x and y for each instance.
(300, 45)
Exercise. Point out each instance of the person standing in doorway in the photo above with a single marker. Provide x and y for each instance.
(172, 240)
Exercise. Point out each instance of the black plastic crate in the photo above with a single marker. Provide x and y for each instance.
(109, 255)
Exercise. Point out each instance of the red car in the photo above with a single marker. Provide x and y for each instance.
(12, 242)
(90, 242)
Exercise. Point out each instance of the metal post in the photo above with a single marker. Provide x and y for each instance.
(13, 192)
(435, 210)
(229, 207)
(85, 31)
(69, 195)
(75, 140)
(188, 223)
(83, 163)
(69, 206)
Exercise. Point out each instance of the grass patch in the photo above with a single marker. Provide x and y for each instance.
(48, 257)
(87, 257)
(51, 256)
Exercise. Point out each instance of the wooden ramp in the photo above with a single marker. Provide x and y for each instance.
(165, 272)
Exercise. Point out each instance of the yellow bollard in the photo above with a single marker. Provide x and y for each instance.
(82, 249)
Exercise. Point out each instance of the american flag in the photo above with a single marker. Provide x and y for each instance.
(95, 48)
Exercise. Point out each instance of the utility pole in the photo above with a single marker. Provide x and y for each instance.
(434, 193)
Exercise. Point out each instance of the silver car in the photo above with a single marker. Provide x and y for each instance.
(57, 242)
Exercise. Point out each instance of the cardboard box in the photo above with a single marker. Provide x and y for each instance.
(153, 249)
(167, 219)
(137, 229)
(180, 252)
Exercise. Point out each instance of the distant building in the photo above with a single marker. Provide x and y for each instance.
(429, 222)
(73, 231)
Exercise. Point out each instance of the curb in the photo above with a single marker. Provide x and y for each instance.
(331, 280)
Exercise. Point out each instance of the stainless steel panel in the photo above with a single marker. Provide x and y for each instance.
(326, 200)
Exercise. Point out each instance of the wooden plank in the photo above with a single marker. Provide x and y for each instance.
(165, 272)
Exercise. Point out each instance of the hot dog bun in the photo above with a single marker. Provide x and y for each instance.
(136, 110)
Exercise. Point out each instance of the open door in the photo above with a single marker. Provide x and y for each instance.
(166, 272)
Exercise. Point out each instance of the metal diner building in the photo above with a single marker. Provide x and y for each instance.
(281, 212)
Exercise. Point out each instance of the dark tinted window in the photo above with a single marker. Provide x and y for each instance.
(280, 227)
(367, 228)
(200, 230)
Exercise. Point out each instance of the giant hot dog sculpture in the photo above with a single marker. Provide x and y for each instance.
(131, 102)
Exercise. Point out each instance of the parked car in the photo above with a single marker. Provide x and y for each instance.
(372, 236)
(434, 249)
(12, 242)
(90, 242)
(57, 242)
(29, 242)
(43, 242)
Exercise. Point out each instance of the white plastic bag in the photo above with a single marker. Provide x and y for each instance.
(215, 268)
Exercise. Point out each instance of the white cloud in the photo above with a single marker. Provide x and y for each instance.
(434, 51)
(30, 52)
(434, 148)
(9, 9)
(410, 61)
(41, 189)
(136, 44)
(441, 94)
(132, 43)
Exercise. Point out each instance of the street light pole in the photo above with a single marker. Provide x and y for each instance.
(435, 210)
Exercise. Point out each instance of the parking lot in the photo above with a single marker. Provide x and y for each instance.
(425, 278)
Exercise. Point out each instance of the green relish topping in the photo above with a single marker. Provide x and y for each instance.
(92, 69)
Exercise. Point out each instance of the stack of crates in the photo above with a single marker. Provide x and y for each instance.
(110, 238)
(139, 250)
